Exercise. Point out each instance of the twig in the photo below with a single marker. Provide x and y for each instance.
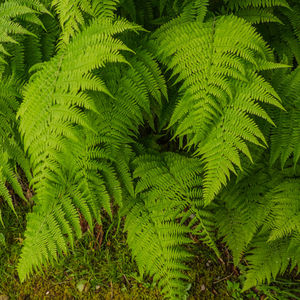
(223, 278)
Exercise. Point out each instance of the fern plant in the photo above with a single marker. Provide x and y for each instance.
(174, 114)
(220, 92)
(259, 219)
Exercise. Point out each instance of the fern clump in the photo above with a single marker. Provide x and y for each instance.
(64, 121)
(178, 118)
(259, 220)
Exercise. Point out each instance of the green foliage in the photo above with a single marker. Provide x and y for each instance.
(83, 95)
(160, 220)
(259, 218)
(64, 130)
(218, 63)
(285, 138)
(256, 11)
(236, 292)
(11, 152)
(12, 15)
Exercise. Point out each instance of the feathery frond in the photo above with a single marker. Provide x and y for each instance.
(217, 63)
(10, 12)
(285, 138)
(55, 119)
(259, 219)
(154, 236)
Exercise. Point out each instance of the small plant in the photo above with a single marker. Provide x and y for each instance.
(235, 291)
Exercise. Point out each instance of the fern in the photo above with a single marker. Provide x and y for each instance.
(11, 153)
(285, 211)
(79, 102)
(52, 119)
(285, 139)
(9, 12)
(259, 219)
(283, 36)
(242, 211)
(267, 260)
(168, 184)
(257, 11)
(219, 92)
(74, 15)
(7, 175)
(185, 160)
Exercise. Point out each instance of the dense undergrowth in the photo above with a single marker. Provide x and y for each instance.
(80, 276)
(165, 131)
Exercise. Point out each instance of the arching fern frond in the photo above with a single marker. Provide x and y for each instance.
(217, 63)
(74, 15)
(7, 175)
(235, 4)
(155, 238)
(283, 35)
(257, 11)
(243, 209)
(267, 260)
(57, 88)
(71, 17)
(56, 116)
(11, 152)
(50, 227)
(285, 212)
(105, 8)
(168, 191)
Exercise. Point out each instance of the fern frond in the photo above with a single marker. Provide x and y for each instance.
(243, 209)
(217, 63)
(105, 8)
(71, 17)
(257, 15)
(74, 15)
(7, 175)
(11, 152)
(48, 39)
(266, 261)
(283, 36)
(154, 236)
(284, 217)
(49, 230)
(285, 138)
(59, 113)
(10, 12)
(236, 4)
(259, 220)
(202, 221)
